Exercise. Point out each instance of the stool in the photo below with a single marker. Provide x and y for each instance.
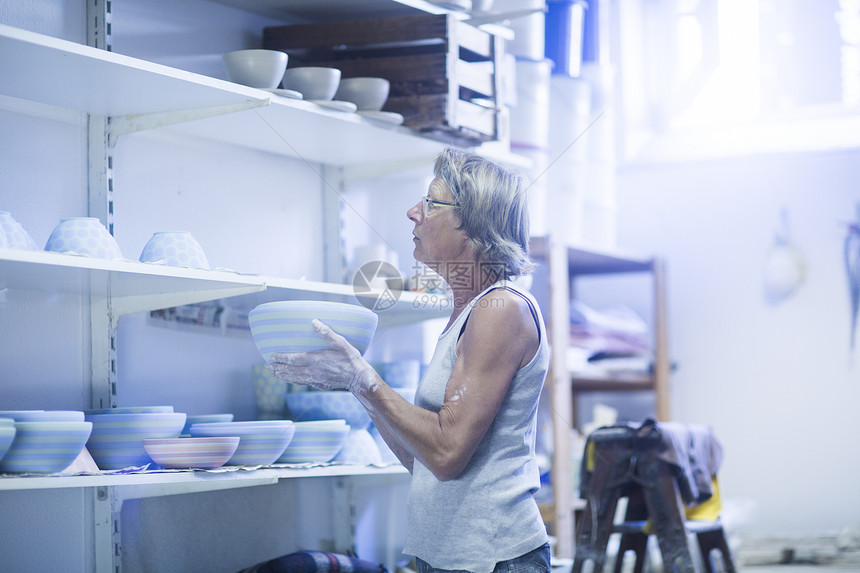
(625, 464)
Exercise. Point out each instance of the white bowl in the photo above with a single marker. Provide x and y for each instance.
(16, 236)
(45, 447)
(368, 94)
(117, 439)
(176, 249)
(314, 83)
(359, 448)
(83, 236)
(261, 442)
(332, 405)
(182, 453)
(315, 442)
(256, 68)
(286, 326)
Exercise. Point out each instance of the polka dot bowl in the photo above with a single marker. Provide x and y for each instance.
(331, 405)
(13, 235)
(83, 236)
(175, 249)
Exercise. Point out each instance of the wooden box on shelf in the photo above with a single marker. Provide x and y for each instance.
(446, 75)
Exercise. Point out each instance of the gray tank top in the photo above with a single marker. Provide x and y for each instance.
(488, 514)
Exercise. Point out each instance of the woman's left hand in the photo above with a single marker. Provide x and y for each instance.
(340, 367)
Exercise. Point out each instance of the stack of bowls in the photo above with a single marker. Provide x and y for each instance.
(261, 443)
(43, 441)
(191, 453)
(315, 442)
(117, 437)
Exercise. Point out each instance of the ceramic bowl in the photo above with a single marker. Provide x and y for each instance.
(7, 434)
(45, 447)
(270, 392)
(117, 439)
(368, 94)
(359, 448)
(182, 453)
(332, 405)
(190, 420)
(286, 326)
(261, 442)
(176, 249)
(43, 415)
(314, 83)
(16, 236)
(256, 68)
(83, 236)
(315, 442)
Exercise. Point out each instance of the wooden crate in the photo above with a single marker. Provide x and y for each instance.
(445, 74)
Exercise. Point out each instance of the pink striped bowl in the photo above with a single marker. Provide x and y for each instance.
(184, 453)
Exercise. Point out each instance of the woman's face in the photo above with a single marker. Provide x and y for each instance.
(437, 236)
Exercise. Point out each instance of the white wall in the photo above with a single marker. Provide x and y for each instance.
(778, 382)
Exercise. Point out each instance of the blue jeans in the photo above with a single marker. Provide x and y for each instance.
(535, 561)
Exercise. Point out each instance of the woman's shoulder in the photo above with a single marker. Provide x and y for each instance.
(504, 305)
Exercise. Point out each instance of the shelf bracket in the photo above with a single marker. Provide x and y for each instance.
(121, 125)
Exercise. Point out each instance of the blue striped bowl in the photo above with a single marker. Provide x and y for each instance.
(315, 442)
(286, 326)
(45, 447)
(260, 442)
(43, 415)
(117, 439)
(330, 405)
(7, 434)
(132, 410)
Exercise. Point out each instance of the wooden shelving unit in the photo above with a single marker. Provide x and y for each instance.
(563, 265)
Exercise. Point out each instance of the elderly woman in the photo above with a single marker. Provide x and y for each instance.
(469, 439)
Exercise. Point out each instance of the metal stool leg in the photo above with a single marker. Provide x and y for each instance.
(715, 539)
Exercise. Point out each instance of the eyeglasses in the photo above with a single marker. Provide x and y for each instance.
(430, 204)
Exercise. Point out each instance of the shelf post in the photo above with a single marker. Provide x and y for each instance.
(560, 397)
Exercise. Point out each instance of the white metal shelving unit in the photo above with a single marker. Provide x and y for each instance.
(135, 95)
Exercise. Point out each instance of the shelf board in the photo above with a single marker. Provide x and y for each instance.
(619, 383)
(139, 485)
(131, 285)
(141, 95)
(140, 287)
(586, 261)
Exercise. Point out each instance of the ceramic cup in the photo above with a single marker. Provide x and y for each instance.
(83, 236)
(176, 249)
(13, 234)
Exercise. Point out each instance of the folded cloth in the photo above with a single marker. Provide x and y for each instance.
(696, 453)
(315, 562)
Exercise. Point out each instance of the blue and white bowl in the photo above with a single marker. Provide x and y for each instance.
(261, 443)
(45, 446)
(315, 442)
(175, 249)
(332, 405)
(190, 420)
(117, 439)
(43, 415)
(7, 434)
(83, 236)
(16, 236)
(286, 326)
(131, 410)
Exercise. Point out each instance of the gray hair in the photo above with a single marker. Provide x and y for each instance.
(493, 207)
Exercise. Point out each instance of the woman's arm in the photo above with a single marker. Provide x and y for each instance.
(500, 338)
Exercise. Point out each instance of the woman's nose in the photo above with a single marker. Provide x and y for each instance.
(415, 212)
